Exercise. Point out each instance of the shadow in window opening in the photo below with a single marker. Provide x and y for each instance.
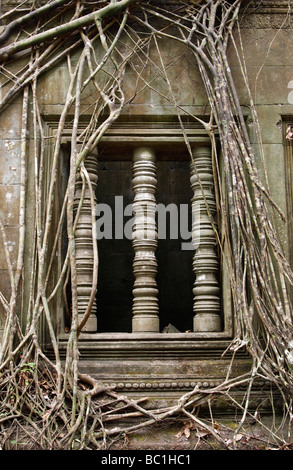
(175, 277)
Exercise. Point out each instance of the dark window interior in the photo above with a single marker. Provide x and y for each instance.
(175, 277)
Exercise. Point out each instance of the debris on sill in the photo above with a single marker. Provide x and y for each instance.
(170, 329)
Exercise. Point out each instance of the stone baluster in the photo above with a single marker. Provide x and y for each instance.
(84, 245)
(205, 262)
(144, 242)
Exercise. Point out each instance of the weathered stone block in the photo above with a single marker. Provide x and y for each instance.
(10, 161)
(10, 121)
(11, 233)
(9, 203)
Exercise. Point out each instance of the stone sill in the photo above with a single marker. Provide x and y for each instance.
(162, 364)
(179, 346)
(123, 336)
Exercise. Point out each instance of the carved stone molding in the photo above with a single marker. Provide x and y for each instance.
(160, 365)
(266, 14)
(173, 385)
(178, 387)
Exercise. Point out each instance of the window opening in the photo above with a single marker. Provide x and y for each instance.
(154, 294)
(188, 275)
(174, 255)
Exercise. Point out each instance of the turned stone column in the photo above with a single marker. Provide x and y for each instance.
(84, 245)
(206, 290)
(144, 241)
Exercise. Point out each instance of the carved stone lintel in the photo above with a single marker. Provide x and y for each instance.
(84, 245)
(144, 241)
(205, 262)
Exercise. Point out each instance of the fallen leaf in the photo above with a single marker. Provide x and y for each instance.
(185, 431)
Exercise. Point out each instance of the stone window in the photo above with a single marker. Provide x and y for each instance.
(159, 268)
(165, 300)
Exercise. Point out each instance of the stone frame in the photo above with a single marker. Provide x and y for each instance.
(288, 160)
